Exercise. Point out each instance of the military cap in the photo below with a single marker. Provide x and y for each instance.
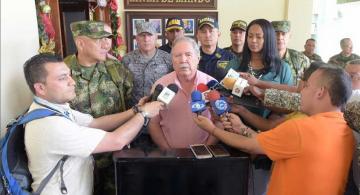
(92, 29)
(147, 27)
(283, 25)
(238, 24)
(209, 21)
(174, 23)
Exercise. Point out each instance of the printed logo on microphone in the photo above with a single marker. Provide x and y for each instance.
(197, 106)
(221, 104)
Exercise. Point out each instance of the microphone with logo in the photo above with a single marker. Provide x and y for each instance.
(219, 105)
(198, 105)
(168, 93)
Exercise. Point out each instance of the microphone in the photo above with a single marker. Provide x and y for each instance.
(197, 103)
(213, 84)
(213, 95)
(156, 93)
(202, 87)
(229, 83)
(168, 93)
(204, 91)
(236, 85)
(220, 106)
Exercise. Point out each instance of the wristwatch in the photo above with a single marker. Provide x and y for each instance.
(146, 118)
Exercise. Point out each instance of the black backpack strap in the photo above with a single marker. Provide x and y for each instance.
(46, 180)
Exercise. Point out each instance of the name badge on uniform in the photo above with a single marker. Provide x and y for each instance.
(222, 64)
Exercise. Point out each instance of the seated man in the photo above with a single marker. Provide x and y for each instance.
(75, 134)
(174, 127)
(303, 149)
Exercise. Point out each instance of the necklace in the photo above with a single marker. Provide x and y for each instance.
(256, 73)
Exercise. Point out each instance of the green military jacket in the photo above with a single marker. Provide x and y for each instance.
(341, 60)
(98, 91)
(297, 61)
(314, 58)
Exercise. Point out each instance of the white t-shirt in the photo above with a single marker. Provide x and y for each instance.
(48, 139)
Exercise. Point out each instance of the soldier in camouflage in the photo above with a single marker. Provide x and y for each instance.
(103, 86)
(298, 62)
(309, 51)
(237, 35)
(345, 55)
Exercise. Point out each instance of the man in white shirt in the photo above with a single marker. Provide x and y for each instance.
(77, 135)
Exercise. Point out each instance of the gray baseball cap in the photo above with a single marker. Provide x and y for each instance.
(145, 27)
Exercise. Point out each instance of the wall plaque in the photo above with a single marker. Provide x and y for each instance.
(170, 4)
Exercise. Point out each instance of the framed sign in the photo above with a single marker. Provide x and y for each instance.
(171, 4)
(159, 20)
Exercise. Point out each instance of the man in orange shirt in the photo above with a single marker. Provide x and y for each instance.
(312, 155)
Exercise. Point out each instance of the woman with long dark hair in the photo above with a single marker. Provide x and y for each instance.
(260, 61)
(260, 58)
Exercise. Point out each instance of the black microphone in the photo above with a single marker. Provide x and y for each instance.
(156, 92)
(168, 93)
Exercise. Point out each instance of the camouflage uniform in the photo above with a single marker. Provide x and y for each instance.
(341, 60)
(352, 117)
(352, 114)
(298, 63)
(297, 60)
(314, 57)
(146, 72)
(282, 99)
(98, 93)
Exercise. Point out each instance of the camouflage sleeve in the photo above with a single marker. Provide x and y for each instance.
(282, 99)
(128, 81)
(333, 61)
(352, 115)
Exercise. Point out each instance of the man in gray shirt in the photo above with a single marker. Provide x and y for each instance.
(147, 63)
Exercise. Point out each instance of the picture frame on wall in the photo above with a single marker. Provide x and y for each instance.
(189, 27)
(159, 20)
(157, 23)
(135, 22)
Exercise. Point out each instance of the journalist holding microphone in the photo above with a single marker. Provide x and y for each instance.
(174, 126)
(70, 132)
(321, 142)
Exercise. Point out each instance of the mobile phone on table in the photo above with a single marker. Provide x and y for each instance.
(218, 150)
(200, 151)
